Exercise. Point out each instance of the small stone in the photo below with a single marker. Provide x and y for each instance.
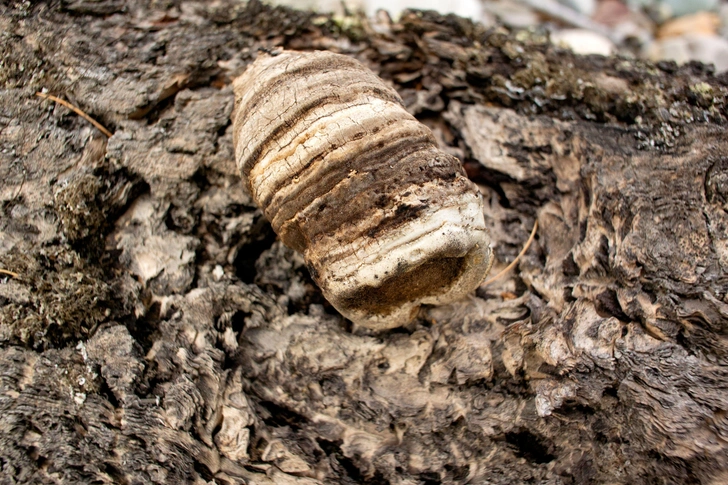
(709, 49)
(611, 12)
(582, 41)
(679, 8)
(586, 7)
(723, 16)
(664, 9)
(512, 14)
(626, 25)
(337, 7)
(465, 8)
(705, 23)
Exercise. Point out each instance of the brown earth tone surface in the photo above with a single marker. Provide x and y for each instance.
(156, 331)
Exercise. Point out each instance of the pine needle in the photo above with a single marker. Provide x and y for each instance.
(9, 273)
(76, 110)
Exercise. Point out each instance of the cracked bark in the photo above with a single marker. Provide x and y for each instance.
(157, 332)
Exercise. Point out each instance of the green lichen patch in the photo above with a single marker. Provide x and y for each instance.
(78, 208)
(56, 300)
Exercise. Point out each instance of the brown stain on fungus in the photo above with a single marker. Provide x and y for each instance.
(385, 220)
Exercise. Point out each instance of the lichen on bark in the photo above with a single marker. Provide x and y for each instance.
(157, 332)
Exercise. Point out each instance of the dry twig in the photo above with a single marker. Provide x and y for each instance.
(9, 273)
(76, 110)
(515, 261)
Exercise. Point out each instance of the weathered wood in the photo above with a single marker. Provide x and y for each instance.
(156, 332)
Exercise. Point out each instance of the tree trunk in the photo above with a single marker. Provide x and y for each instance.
(153, 330)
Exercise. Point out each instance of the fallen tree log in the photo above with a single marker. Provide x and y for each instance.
(152, 329)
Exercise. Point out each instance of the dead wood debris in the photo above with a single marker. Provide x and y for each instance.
(76, 110)
(159, 334)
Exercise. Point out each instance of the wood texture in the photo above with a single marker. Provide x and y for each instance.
(159, 333)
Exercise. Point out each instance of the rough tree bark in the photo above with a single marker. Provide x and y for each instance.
(157, 333)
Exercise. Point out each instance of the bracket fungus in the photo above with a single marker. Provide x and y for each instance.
(385, 220)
